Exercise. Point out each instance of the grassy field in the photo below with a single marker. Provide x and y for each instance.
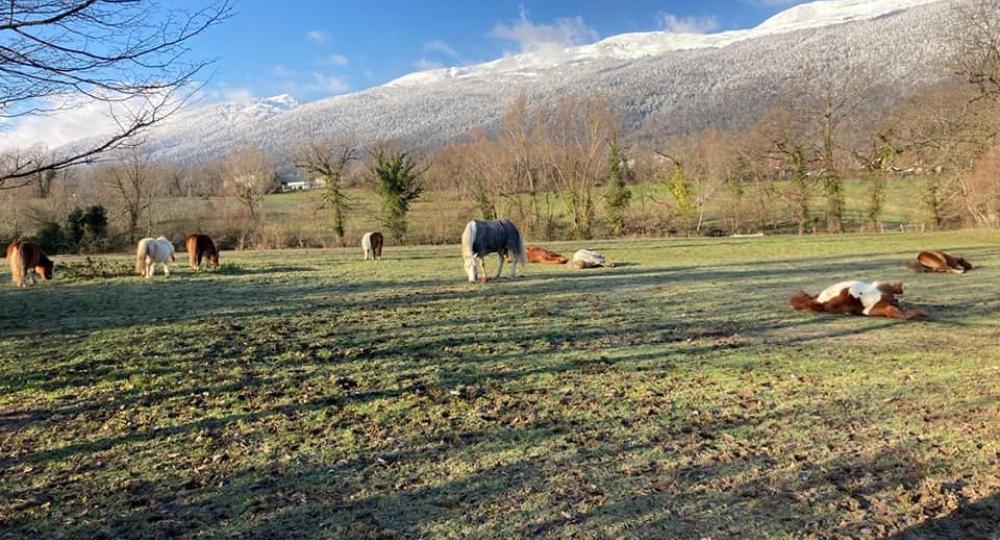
(309, 394)
(439, 216)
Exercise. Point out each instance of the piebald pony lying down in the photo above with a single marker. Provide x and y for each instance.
(857, 298)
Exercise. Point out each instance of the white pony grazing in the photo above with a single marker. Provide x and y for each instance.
(151, 251)
(481, 238)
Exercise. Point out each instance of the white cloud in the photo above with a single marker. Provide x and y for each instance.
(530, 37)
(440, 46)
(308, 85)
(58, 128)
(323, 85)
(280, 70)
(688, 25)
(773, 3)
(317, 36)
(74, 118)
(225, 92)
(424, 64)
(338, 60)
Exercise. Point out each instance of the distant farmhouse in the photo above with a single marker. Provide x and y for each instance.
(294, 181)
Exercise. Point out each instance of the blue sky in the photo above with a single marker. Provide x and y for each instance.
(319, 48)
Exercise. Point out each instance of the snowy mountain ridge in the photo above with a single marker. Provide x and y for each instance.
(664, 83)
(646, 44)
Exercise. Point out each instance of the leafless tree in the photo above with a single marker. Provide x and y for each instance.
(249, 175)
(130, 182)
(574, 152)
(825, 100)
(329, 160)
(974, 33)
(130, 55)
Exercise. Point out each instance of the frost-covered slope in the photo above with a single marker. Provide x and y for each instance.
(665, 82)
(645, 44)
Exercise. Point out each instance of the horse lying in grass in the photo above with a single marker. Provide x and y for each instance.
(371, 244)
(590, 259)
(857, 298)
(26, 261)
(153, 251)
(201, 246)
(939, 262)
(481, 238)
(541, 255)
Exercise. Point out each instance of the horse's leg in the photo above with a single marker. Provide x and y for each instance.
(150, 267)
(166, 268)
(513, 268)
(500, 268)
(481, 263)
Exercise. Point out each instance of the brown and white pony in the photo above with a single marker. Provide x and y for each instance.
(939, 261)
(857, 298)
(201, 246)
(26, 260)
(371, 244)
(540, 255)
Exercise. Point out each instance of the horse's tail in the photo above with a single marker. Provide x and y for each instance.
(18, 270)
(805, 301)
(519, 249)
(915, 266)
(140, 256)
(468, 240)
(366, 244)
(191, 244)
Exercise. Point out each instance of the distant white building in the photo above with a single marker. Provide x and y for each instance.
(293, 181)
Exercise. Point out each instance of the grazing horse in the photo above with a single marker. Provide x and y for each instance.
(151, 251)
(857, 298)
(939, 261)
(201, 246)
(26, 260)
(371, 244)
(590, 259)
(541, 255)
(481, 238)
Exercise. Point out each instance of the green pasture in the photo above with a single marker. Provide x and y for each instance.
(311, 394)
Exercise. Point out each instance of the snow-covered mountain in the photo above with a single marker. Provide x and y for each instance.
(664, 81)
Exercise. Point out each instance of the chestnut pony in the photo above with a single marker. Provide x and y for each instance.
(939, 261)
(201, 246)
(541, 255)
(857, 298)
(26, 260)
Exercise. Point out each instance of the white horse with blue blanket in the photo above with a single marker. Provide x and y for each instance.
(495, 236)
(151, 251)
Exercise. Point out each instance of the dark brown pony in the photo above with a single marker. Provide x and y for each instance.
(201, 246)
(939, 261)
(371, 244)
(857, 298)
(541, 255)
(26, 260)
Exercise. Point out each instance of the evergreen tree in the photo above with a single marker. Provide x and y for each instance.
(397, 182)
(617, 195)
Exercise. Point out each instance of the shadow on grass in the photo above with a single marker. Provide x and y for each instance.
(974, 520)
(472, 440)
